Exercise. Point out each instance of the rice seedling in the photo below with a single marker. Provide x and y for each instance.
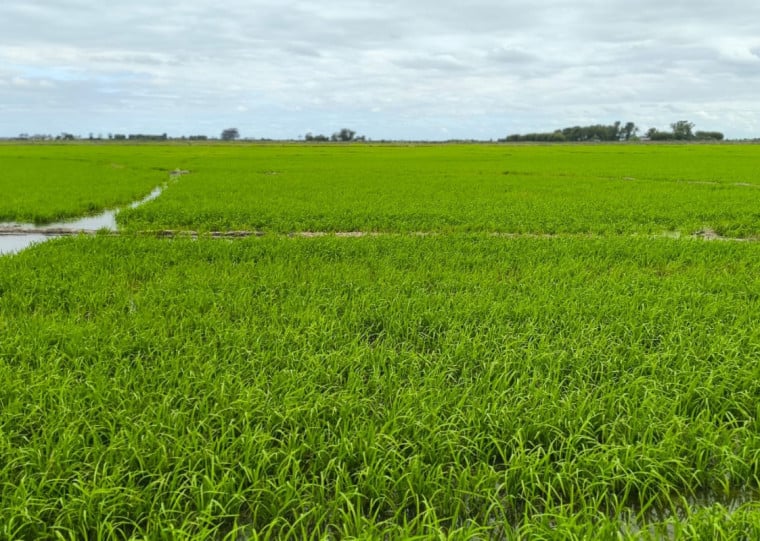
(454, 386)
(605, 190)
(47, 183)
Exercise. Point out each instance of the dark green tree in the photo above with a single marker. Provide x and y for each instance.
(629, 130)
(682, 130)
(344, 135)
(709, 135)
(230, 134)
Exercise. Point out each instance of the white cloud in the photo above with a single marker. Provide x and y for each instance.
(390, 69)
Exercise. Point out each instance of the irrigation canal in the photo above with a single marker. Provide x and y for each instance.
(15, 236)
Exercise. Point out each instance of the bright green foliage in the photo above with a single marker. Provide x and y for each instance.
(454, 385)
(445, 188)
(45, 183)
(462, 188)
(399, 386)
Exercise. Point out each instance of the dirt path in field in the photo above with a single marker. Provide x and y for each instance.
(704, 234)
(17, 236)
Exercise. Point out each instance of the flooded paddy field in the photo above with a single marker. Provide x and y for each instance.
(15, 236)
(344, 369)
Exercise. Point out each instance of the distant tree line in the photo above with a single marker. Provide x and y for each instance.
(345, 135)
(681, 131)
(45, 137)
(66, 136)
(135, 137)
(147, 137)
(596, 132)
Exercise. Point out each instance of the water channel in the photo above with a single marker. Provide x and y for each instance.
(15, 236)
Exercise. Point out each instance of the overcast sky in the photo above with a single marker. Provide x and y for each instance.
(406, 69)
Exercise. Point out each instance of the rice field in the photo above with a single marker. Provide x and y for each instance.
(466, 188)
(48, 183)
(545, 354)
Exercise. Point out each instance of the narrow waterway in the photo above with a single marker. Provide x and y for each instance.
(15, 236)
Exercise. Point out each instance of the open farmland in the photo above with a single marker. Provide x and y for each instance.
(466, 188)
(579, 374)
(55, 182)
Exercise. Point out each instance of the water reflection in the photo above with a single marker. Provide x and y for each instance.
(11, 242)
(636, 522)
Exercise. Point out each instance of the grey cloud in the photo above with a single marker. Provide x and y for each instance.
(290, 64)
(302, 49)
(439, 62)
(511, 56)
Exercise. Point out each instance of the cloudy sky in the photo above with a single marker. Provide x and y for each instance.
(405, 69)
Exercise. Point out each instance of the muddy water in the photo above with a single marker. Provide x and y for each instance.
(11, 242)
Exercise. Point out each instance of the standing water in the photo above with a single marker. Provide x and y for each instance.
(15, 236)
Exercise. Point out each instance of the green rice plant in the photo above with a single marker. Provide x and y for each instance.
(47, 183)
(456, 386)
(605, 190)
(555, 189)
